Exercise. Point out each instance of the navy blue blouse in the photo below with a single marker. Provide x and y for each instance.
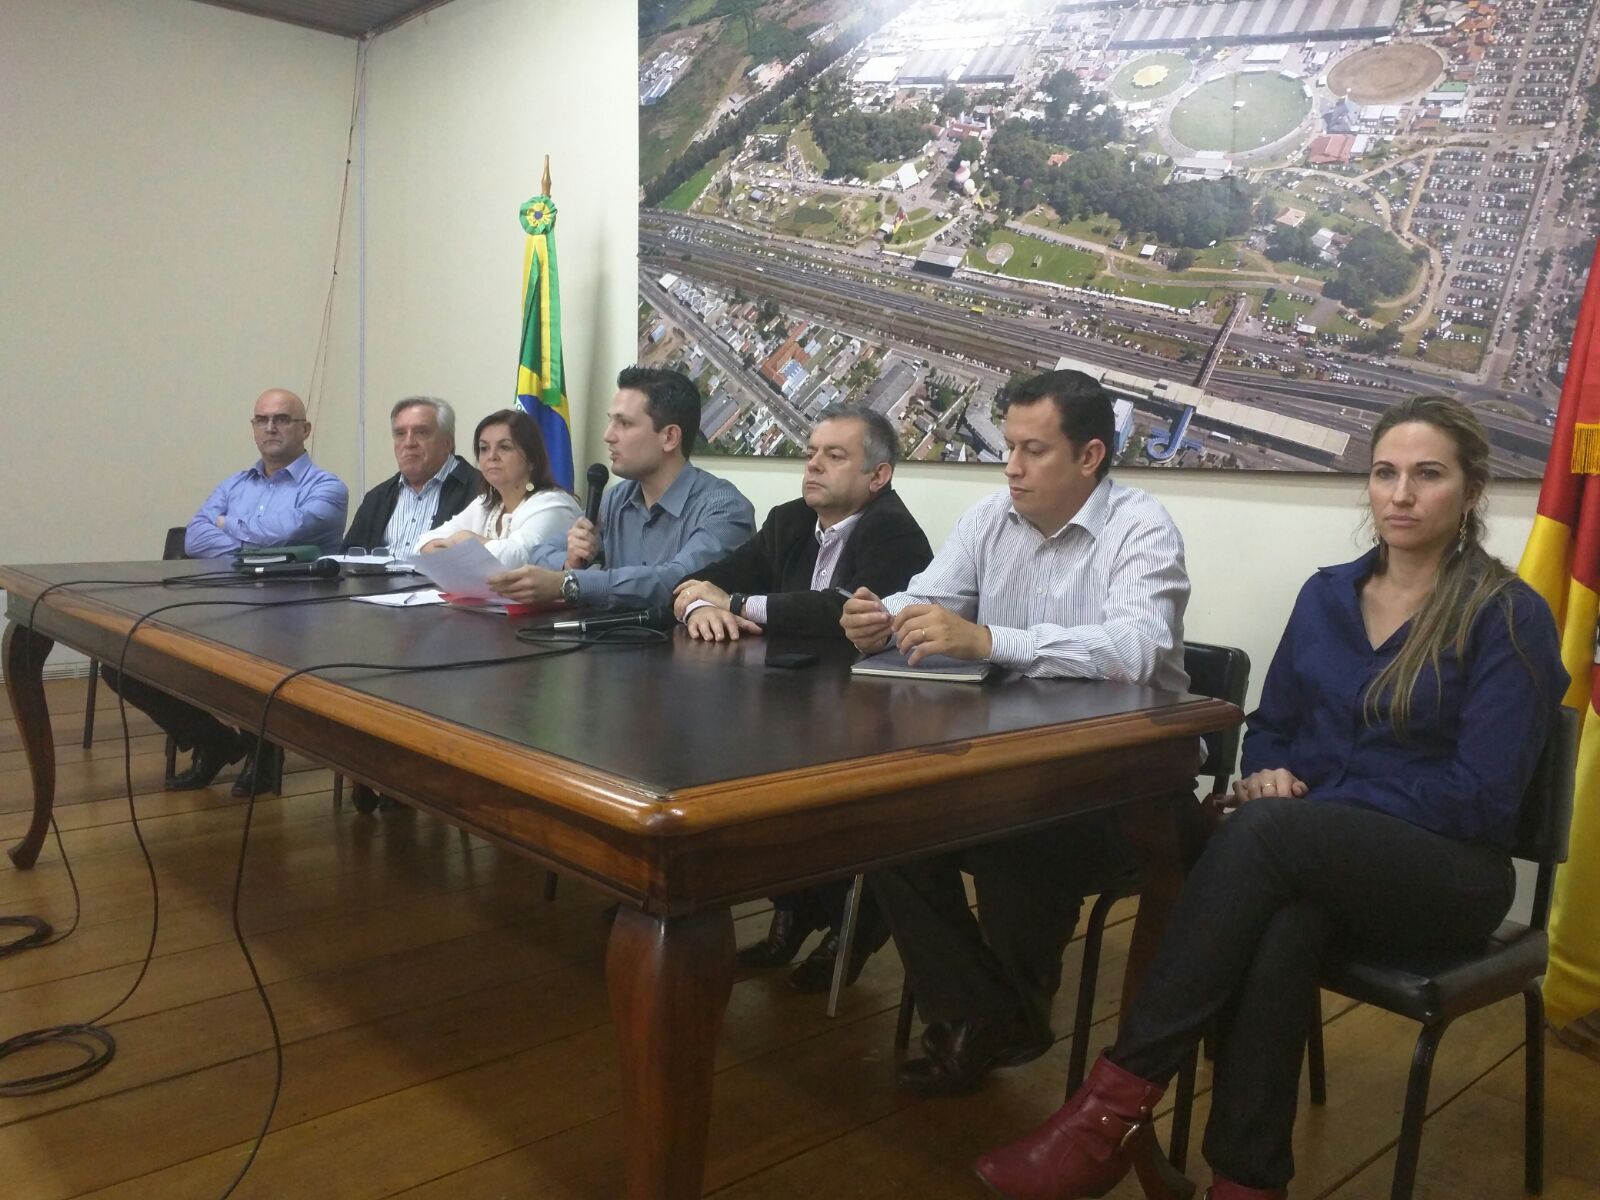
(1475, 729)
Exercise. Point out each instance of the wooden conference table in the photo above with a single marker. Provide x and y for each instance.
(680, 777)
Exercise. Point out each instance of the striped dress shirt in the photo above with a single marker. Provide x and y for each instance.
(414, 510)
(1100, 598)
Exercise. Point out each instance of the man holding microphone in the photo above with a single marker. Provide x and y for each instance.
(666, 520)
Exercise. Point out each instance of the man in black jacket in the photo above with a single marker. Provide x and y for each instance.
(432, 485)
(848, 530)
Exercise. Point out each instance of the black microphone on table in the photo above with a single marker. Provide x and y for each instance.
(658, 616)
(322, 568)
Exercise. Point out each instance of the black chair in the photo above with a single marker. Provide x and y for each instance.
(170, 549)
(1434, 989)
(88, 712)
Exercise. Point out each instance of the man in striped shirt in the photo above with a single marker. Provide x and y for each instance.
(1066, 574)
(433, 483)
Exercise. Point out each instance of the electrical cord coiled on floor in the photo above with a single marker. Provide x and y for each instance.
(95, 1043)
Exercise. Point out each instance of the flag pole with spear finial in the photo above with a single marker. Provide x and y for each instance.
(541, 378)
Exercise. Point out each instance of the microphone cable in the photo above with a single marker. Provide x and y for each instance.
(244, 845)
(95, 1044)
(41, 931)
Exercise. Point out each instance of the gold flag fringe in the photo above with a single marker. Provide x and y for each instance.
(1586, 450)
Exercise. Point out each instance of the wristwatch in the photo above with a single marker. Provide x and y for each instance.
(569, 587)
(736, 603)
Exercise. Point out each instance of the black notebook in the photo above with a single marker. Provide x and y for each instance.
(892, 664)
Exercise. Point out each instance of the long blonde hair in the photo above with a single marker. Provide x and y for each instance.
(1469, 579)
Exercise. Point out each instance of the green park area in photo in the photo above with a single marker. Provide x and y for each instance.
(1269, 106)
(1151, 76)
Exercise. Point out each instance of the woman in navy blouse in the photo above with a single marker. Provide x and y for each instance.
(1382, 775)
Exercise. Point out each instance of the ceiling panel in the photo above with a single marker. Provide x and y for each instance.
(352, 18)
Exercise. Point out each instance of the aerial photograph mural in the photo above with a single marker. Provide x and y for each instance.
(1257, 222)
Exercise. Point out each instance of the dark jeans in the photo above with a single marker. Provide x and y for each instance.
(1277, 881)
(1006, 963)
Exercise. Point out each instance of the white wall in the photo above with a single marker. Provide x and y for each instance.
(463, 105)
(167, 197)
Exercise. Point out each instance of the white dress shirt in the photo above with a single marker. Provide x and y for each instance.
(1100, 598)
(543, 517)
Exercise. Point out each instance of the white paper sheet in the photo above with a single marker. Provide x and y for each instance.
(463, 570)
(417, 599)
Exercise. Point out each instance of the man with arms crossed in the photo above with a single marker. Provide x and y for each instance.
(1066, 574)
(433, 483)
(283, 500)
(848, 530)
(666, 520)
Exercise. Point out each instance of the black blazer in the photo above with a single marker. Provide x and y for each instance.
(371, 523)
(886, 548)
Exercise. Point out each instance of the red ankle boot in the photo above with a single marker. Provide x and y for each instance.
(1088, 1145)
(1223, 1188)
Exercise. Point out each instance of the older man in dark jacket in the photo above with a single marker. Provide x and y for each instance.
(433, 483)
(848, 530)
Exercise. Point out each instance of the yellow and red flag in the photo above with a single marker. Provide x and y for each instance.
(1562, 562)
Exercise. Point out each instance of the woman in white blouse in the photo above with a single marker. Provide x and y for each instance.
(521, 505)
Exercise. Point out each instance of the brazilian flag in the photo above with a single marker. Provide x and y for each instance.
(541, 382)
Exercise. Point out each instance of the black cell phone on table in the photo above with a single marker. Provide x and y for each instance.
(792, 660)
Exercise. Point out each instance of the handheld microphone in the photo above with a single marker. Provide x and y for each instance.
(657, 616)
(597, 476)
(323, 568)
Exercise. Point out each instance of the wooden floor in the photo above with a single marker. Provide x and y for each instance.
(446, 1034)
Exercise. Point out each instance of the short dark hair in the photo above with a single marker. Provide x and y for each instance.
(670, 397)
(878, 438)
(1082, 404)
(525, 433)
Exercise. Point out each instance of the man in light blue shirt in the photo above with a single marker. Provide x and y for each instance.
(663, 522)
(283, 500)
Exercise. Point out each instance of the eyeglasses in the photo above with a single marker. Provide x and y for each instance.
(274, 420)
